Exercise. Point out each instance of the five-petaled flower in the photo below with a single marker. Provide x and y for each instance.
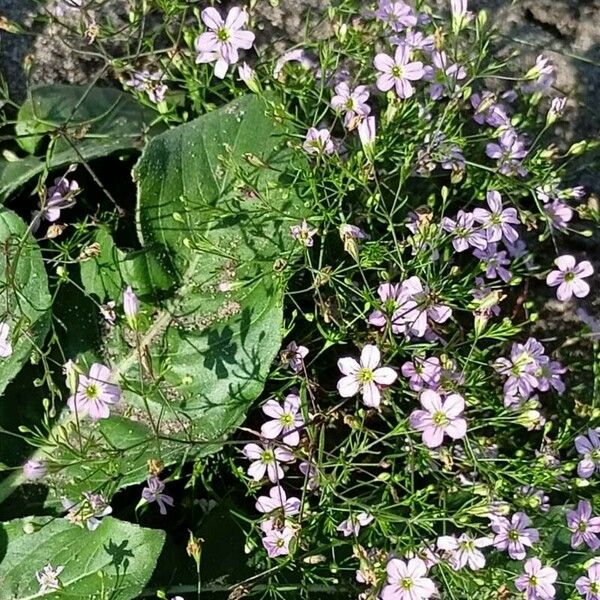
(514, 535)
(569, 277)
(277, 500)
(439, 417)
(266, 459)
(351, 102)
(223, 40)
(352, 525)
(536, 582)
(398, 72)
(95, 394)
(407, 581)
(294, 355)
(589, 447)
(589, 586)
(365, 376)
(286, 420)
(464, 550)
(303, 233)
(583, 526)
(48, 578)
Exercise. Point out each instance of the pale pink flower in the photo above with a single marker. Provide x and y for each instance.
(589, 586)
(48, 578)
(407, 581)
(537, 581)
(464, 550)
(277, 500)
(514, 535)
(439, 417)
(365, 376)
(95, 394)
(569, 277)
(583, 526)
(131, 304)
(367, 131)
(589, 447)
(351, 102)
(286, 420)
(352, 525)
(295, 355)
(277, 542)
(266, 459)
(398, 72)
(303, 233)
(220, 44)
(318, 142)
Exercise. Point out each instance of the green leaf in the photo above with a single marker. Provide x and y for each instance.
(24, 298)
(85, 124)
(117, 557)
(217, 224)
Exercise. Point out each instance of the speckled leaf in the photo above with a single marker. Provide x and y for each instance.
(24, 298)
(117, 557)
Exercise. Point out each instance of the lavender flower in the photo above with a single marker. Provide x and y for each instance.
(589, 586)
(151, 82)
(277, 541)
(439, 417)
(365, 377)
(295, 355)
(223, 40)
(422, 373)
(416, 40)
(487, 110)
(6, 349)
(131, 304)
(495, 262)
(509, 151)
(464, 550)
(59, 196)
(497, 221)
(318, 142)
(397, 15)
(266, 459)
(153, 492)
(367, 132)
(352, 525)
(583, 526)
(398, 72)
(48, 578)
(543, 75)
(464, 234)
(536, 582)
(277, 500)
(95, 394)
(514, 535)
(407, 581)
(443, 75)
(353, 103)
(589, 447)
(286, 420)
(569, 277)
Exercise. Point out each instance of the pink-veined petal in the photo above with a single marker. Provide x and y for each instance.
(430, 401)
(370, 357)
(371, 395)
(454, 405)
(211, 18)
(348, 366)
(385, 376)
(457, 429)
(348, 386)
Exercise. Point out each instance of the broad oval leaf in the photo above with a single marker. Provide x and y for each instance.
(25, 301)
(117, 557)
(89, 123)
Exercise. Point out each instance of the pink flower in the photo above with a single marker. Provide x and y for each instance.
(514, 535)
(464, 550)
(131, 304)
(590, 586)
(318, 142)
(569, 277)
(278, 500)
(407, 581)
(287, 420)
(365, 376)
(153, 492)
(295, 355)
(221, 43)
(439, 417)
(277, 542)
(266, 459)
(398, 72)
(352, 525)
(498, 221)
(537, 581)
(48, 578)
(5, 345)
(583, 526)
(95, 394)
(397, 15)
(367, 131)
(353, 103)
(588, 446)
(422, 373)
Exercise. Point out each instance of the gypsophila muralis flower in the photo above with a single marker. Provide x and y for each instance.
(154, 492)
(48, 578)
(583, 526)
(536, 582)
(95, 394)
(569, 277)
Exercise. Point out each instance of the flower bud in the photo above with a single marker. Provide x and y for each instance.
(131, 306)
